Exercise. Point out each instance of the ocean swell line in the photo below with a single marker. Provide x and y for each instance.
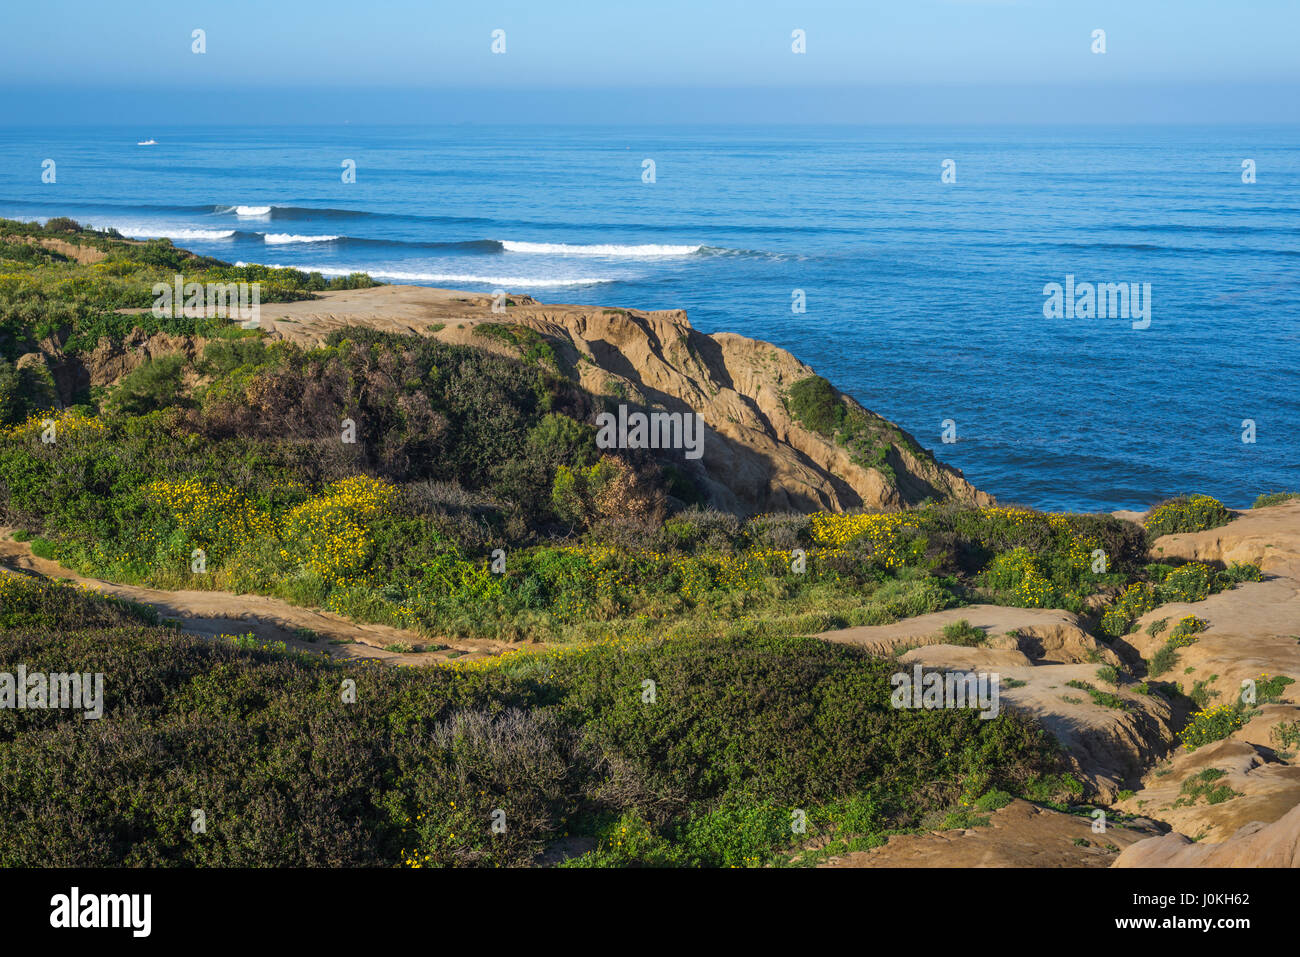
(422, 277)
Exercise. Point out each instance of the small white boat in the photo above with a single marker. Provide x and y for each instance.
(147, 143)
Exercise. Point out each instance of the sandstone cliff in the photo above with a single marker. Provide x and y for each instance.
(757, 456)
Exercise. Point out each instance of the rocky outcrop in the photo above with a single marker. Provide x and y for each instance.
(1230, 803)
(1227, 800)
(40, 381)
(1042, 635)
(757, 457)
(1254, 845)
(71, 375)
(1037, 652)
(85, 255)
(109, 360)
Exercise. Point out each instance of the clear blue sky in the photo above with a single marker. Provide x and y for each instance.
(983, 60)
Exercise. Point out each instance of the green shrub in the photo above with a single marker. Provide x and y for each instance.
(1157, 572)
(1192, 513)
(963, 820)
(225, 355)
(993, 800)
(1122, 614)
(816, 405)
(1190, 582)
(1210, 725)
(576, 492)
(62, 224)
(532, 347)
(1163, 660)
(1287, 735)
(1186, 630)
(1268, 689)
(1201, 785)
(24, 391)
(1236, 573)
(46, 296)
(157, 384)
(1274, 498)
(962, 633)
(740, 733)
(39, 603)
(1201, 694)
(1054, 789)
(782, 531)
(1183, 635)
(1104, 698)
(1020, 577)
(44, 548)
(734, 836)
(631, 841)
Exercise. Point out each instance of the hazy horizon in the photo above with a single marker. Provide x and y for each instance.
(927, 62)
(910, 106)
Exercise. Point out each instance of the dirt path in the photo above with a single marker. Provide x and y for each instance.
(212, 613)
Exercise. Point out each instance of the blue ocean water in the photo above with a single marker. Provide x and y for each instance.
(924, 298)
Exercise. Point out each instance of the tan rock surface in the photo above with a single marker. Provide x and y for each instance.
(1254, 845)
(109, 361)
(1048, 634)
(1018, 835)
(1253, 631)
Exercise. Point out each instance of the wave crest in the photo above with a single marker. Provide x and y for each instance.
(168, 232)
(279, 239)
(642, 251)
(245, 210)
(516, 282)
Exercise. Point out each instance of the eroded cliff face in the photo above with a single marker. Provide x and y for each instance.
(756, 456)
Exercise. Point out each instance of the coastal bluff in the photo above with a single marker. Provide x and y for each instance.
(758, 457)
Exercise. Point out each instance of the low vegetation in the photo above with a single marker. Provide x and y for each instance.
(1274, 498)
(1202, 785)
(817, 406)
(49, 297)
(962, 633)
(1183, 635)
(1105, 699)
(707, 768)
(1189, 513)
(1219, 722)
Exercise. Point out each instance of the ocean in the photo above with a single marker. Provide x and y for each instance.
(924, 299)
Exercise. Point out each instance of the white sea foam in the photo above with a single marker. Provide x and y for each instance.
(252, 210)
(279, 239)
(170, 232)
(502, 281)
(646, 251)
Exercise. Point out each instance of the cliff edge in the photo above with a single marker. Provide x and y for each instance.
(758, 455)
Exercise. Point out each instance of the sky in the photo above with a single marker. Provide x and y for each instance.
(1008, 61)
